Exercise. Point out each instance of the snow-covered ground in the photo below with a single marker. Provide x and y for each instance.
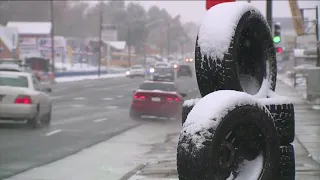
(81, 78)
(62, 67)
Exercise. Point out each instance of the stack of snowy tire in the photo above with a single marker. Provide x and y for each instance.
(240, 128)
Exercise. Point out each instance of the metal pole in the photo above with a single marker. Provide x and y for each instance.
(100, 39)
(269, 12)
(317, 36)
(129, 46)
(52, 40)
(169, 43)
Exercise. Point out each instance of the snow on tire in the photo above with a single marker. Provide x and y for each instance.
(228, 133)
(187, 107)
(287, 163)
(237, 54)
(282, 111)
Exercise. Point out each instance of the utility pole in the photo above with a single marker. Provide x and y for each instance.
(129, 45)
(317, 35)
(100, 38)
(52, 40)
(269, 12)
(169, 43)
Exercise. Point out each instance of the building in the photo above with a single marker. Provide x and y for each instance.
(30, 34)
(9, 43)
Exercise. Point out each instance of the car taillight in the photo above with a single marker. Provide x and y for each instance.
(171, 99)
(139, 97)
(23, 100)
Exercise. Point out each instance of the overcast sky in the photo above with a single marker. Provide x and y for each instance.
(194, 10)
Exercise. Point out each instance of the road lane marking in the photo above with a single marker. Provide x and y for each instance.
(190, 91)
(56, 97)
(79, 98)
(107, 99)
(78, 105)
(121, 96)
(111, 107)
(53, 132)
(99, 120)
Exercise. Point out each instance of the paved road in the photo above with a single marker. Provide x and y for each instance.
(84, 113)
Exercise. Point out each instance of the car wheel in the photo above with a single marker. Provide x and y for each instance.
(243, 59)
(47, 119)
(35, 122)
(134, 115)
(218, 143)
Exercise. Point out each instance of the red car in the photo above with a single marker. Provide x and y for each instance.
(161, 99)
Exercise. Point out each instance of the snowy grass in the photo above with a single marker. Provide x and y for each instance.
(81, 78)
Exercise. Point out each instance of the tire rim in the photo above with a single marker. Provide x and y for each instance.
(243, 145)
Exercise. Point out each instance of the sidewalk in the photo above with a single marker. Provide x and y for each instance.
(161, 161)
(307, 119)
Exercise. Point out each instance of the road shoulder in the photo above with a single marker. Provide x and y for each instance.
(111, 159)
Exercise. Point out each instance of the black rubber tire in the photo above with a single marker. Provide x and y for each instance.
(185, 111)
(36, 122)
(47, 120)
(214, 73)
(196, 162)
(284, 120)
(287, 163)
(134, 115)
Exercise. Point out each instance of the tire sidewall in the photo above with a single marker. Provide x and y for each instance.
(269, 56)
(259, 118)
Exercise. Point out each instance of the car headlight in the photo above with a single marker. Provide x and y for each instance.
(190, 60)
(175, 66)
(152, 70)
(128, 72)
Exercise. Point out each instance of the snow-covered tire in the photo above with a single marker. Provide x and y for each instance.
(282, 111)
(214, 125)
(223, 61)
(187, 107)
(284, 120)
(287, 163)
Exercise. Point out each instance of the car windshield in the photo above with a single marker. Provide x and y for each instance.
(162, 70)
(13, 80)
(158, 86)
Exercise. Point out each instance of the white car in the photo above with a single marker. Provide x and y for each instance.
(135, 71)
(22, 97)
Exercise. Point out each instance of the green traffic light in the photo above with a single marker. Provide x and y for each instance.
(276, 39)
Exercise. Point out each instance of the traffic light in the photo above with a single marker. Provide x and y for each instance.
(279, 49)
(277, 33)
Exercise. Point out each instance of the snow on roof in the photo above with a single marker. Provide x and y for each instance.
(210, 110)
(9, 36)
(120, 45)
(218, 27)
(31, 27)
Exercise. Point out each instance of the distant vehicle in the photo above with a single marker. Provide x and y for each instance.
(161, 65)
(161, 99)
(188, 60)
(137, 70)
(162, 74)
(22, 97)
(11, 61)
(184, 70)
(17, 68)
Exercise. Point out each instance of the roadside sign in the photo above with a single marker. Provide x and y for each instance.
(211, 3)
(297, 17)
